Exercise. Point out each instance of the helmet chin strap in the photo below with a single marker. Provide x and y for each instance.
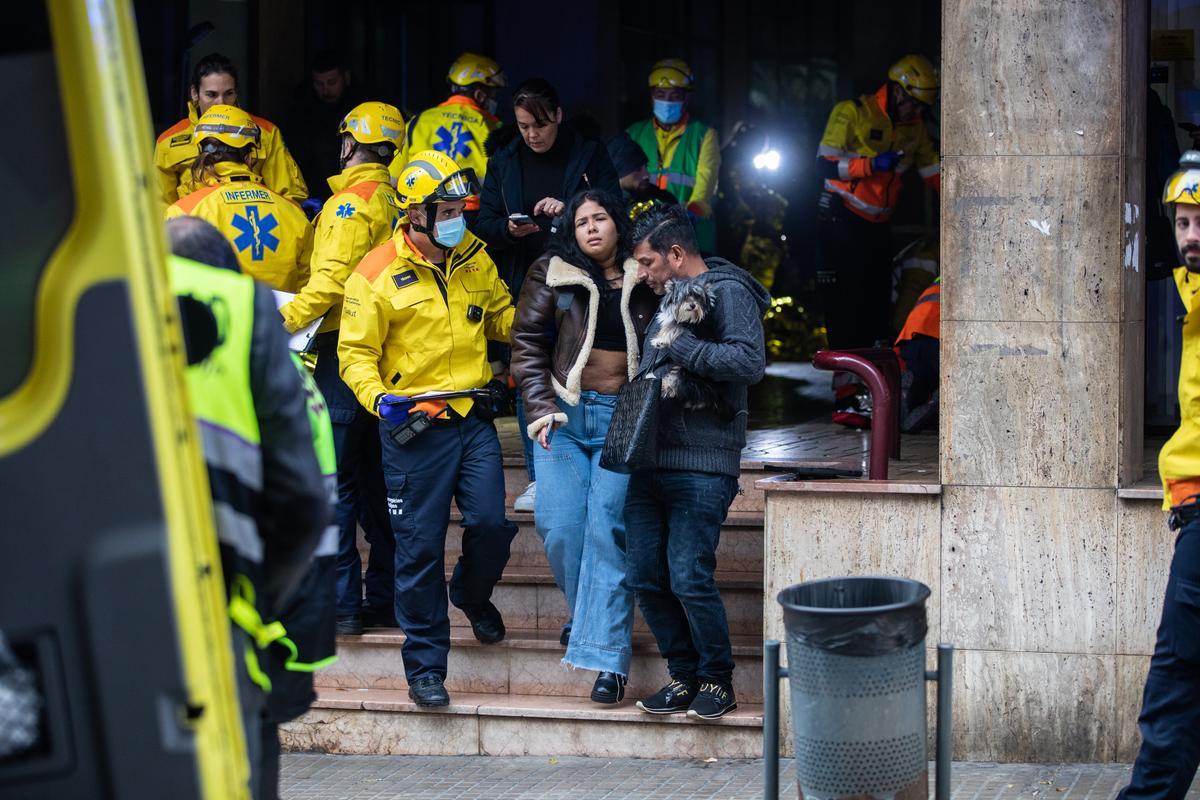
(428, 230)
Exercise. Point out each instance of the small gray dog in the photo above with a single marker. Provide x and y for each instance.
(685, 306)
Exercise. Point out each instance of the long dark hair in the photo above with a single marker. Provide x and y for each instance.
(564, 244)
(213, 64)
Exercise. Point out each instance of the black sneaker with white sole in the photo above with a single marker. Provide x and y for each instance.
(674, 698)
(713, 702)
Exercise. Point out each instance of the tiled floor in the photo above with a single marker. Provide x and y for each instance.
(331, 777)
(789, 422)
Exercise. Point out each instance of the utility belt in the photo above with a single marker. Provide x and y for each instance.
(429, 411)
(1185, 513)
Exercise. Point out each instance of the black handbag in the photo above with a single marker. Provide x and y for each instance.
(631, 444)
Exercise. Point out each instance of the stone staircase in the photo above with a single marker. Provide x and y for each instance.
(515, 697)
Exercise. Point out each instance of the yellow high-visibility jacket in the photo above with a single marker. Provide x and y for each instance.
(856, 131)
(174, 154)
(269, 233)
(457, 127)
(360, 216)
(1179, 460)
(401, 335)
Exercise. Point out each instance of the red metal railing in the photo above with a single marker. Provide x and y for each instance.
(879, 369)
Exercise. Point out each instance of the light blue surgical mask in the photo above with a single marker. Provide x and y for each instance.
(668, 112)
(449, 232)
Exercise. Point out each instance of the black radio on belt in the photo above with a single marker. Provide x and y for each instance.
(416, 424)
(475, 313)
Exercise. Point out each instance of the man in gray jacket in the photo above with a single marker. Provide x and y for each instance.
(673, 515)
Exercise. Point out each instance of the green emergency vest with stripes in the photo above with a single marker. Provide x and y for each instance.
(681, 172)
(223, 405)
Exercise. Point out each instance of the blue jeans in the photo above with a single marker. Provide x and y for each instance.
(458, 461)
(1170, 718)
(362, 498)
(674, 522)
(526, 442)
(580, 517)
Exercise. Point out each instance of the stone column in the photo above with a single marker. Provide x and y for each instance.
(1043, 170)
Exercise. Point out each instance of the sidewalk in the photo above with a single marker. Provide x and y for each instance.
(338, 777)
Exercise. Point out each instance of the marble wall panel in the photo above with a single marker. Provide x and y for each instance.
(1030, 404)
(1144, 549)
(815, 535)
(1032, 77)
(1034, 707)
(1032, 239)
(1029, 569)
(1131, 679)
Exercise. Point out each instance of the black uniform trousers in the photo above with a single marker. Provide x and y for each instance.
(456, 460)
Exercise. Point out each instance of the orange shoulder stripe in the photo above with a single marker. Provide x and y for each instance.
(183, 124)
(366, 190)
(188, 203)
(265, 124)
(376, 261)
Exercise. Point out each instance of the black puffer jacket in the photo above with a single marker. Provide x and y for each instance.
(588, 167)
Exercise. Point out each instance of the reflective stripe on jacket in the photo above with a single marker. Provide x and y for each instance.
(410, 327)
(174, 154)
(360, 216)
(270, 234)
(685, 160)
(860, 129)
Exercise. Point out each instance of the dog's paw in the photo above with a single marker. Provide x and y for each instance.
(672, 383)
(665, 337)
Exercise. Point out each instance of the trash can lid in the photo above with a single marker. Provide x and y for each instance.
(856, 596)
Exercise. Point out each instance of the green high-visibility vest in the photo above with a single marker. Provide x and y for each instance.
(680, 174)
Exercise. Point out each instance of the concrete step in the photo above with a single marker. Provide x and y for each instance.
(527, 662)
(382, 721)
(530, 600)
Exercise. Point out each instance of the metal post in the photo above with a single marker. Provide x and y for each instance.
(945, 726)
(771, 720)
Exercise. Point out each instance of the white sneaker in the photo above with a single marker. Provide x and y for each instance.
(525, 500)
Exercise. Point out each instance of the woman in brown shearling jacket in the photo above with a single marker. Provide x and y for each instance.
(576, 340)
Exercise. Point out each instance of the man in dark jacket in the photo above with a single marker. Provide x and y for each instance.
(686, 498)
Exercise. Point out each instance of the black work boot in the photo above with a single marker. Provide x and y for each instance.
(348, 626)
(486, 622)
(428, 692)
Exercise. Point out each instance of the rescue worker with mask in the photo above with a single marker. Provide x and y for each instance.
(459, 126)
(684, 154)
(360, 216)
(1170, 717)
(270, 234)
(214, 82)
(869, 144)
(417, 316)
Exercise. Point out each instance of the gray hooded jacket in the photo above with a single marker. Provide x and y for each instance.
(731, 358)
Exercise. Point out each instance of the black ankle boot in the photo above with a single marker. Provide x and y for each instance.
(609, 688)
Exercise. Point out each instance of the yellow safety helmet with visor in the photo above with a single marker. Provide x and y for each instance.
(374, 123)
(472, 68)
(916, 76)
(433, 177)
(671, 73)
(227, 125)
(1184, 185)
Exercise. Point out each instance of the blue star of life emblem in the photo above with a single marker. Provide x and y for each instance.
(454, 141)
(255, 233)
(345, 211)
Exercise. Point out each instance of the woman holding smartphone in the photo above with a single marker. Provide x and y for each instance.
(576, 339)
(529, 179)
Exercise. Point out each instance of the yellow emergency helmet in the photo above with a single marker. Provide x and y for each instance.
(1184, 185)
(917, 77)
(472, 68)
(434, 177)
(671, 73)
(374, 123)
(229, 125)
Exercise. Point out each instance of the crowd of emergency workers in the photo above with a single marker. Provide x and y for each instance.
(437, 269)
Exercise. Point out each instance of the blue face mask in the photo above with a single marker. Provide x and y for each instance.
(668, 112)
(449, 232)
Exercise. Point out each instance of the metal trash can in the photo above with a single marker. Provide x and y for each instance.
(856, 663)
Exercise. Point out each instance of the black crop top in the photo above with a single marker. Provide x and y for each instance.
(610, 329)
